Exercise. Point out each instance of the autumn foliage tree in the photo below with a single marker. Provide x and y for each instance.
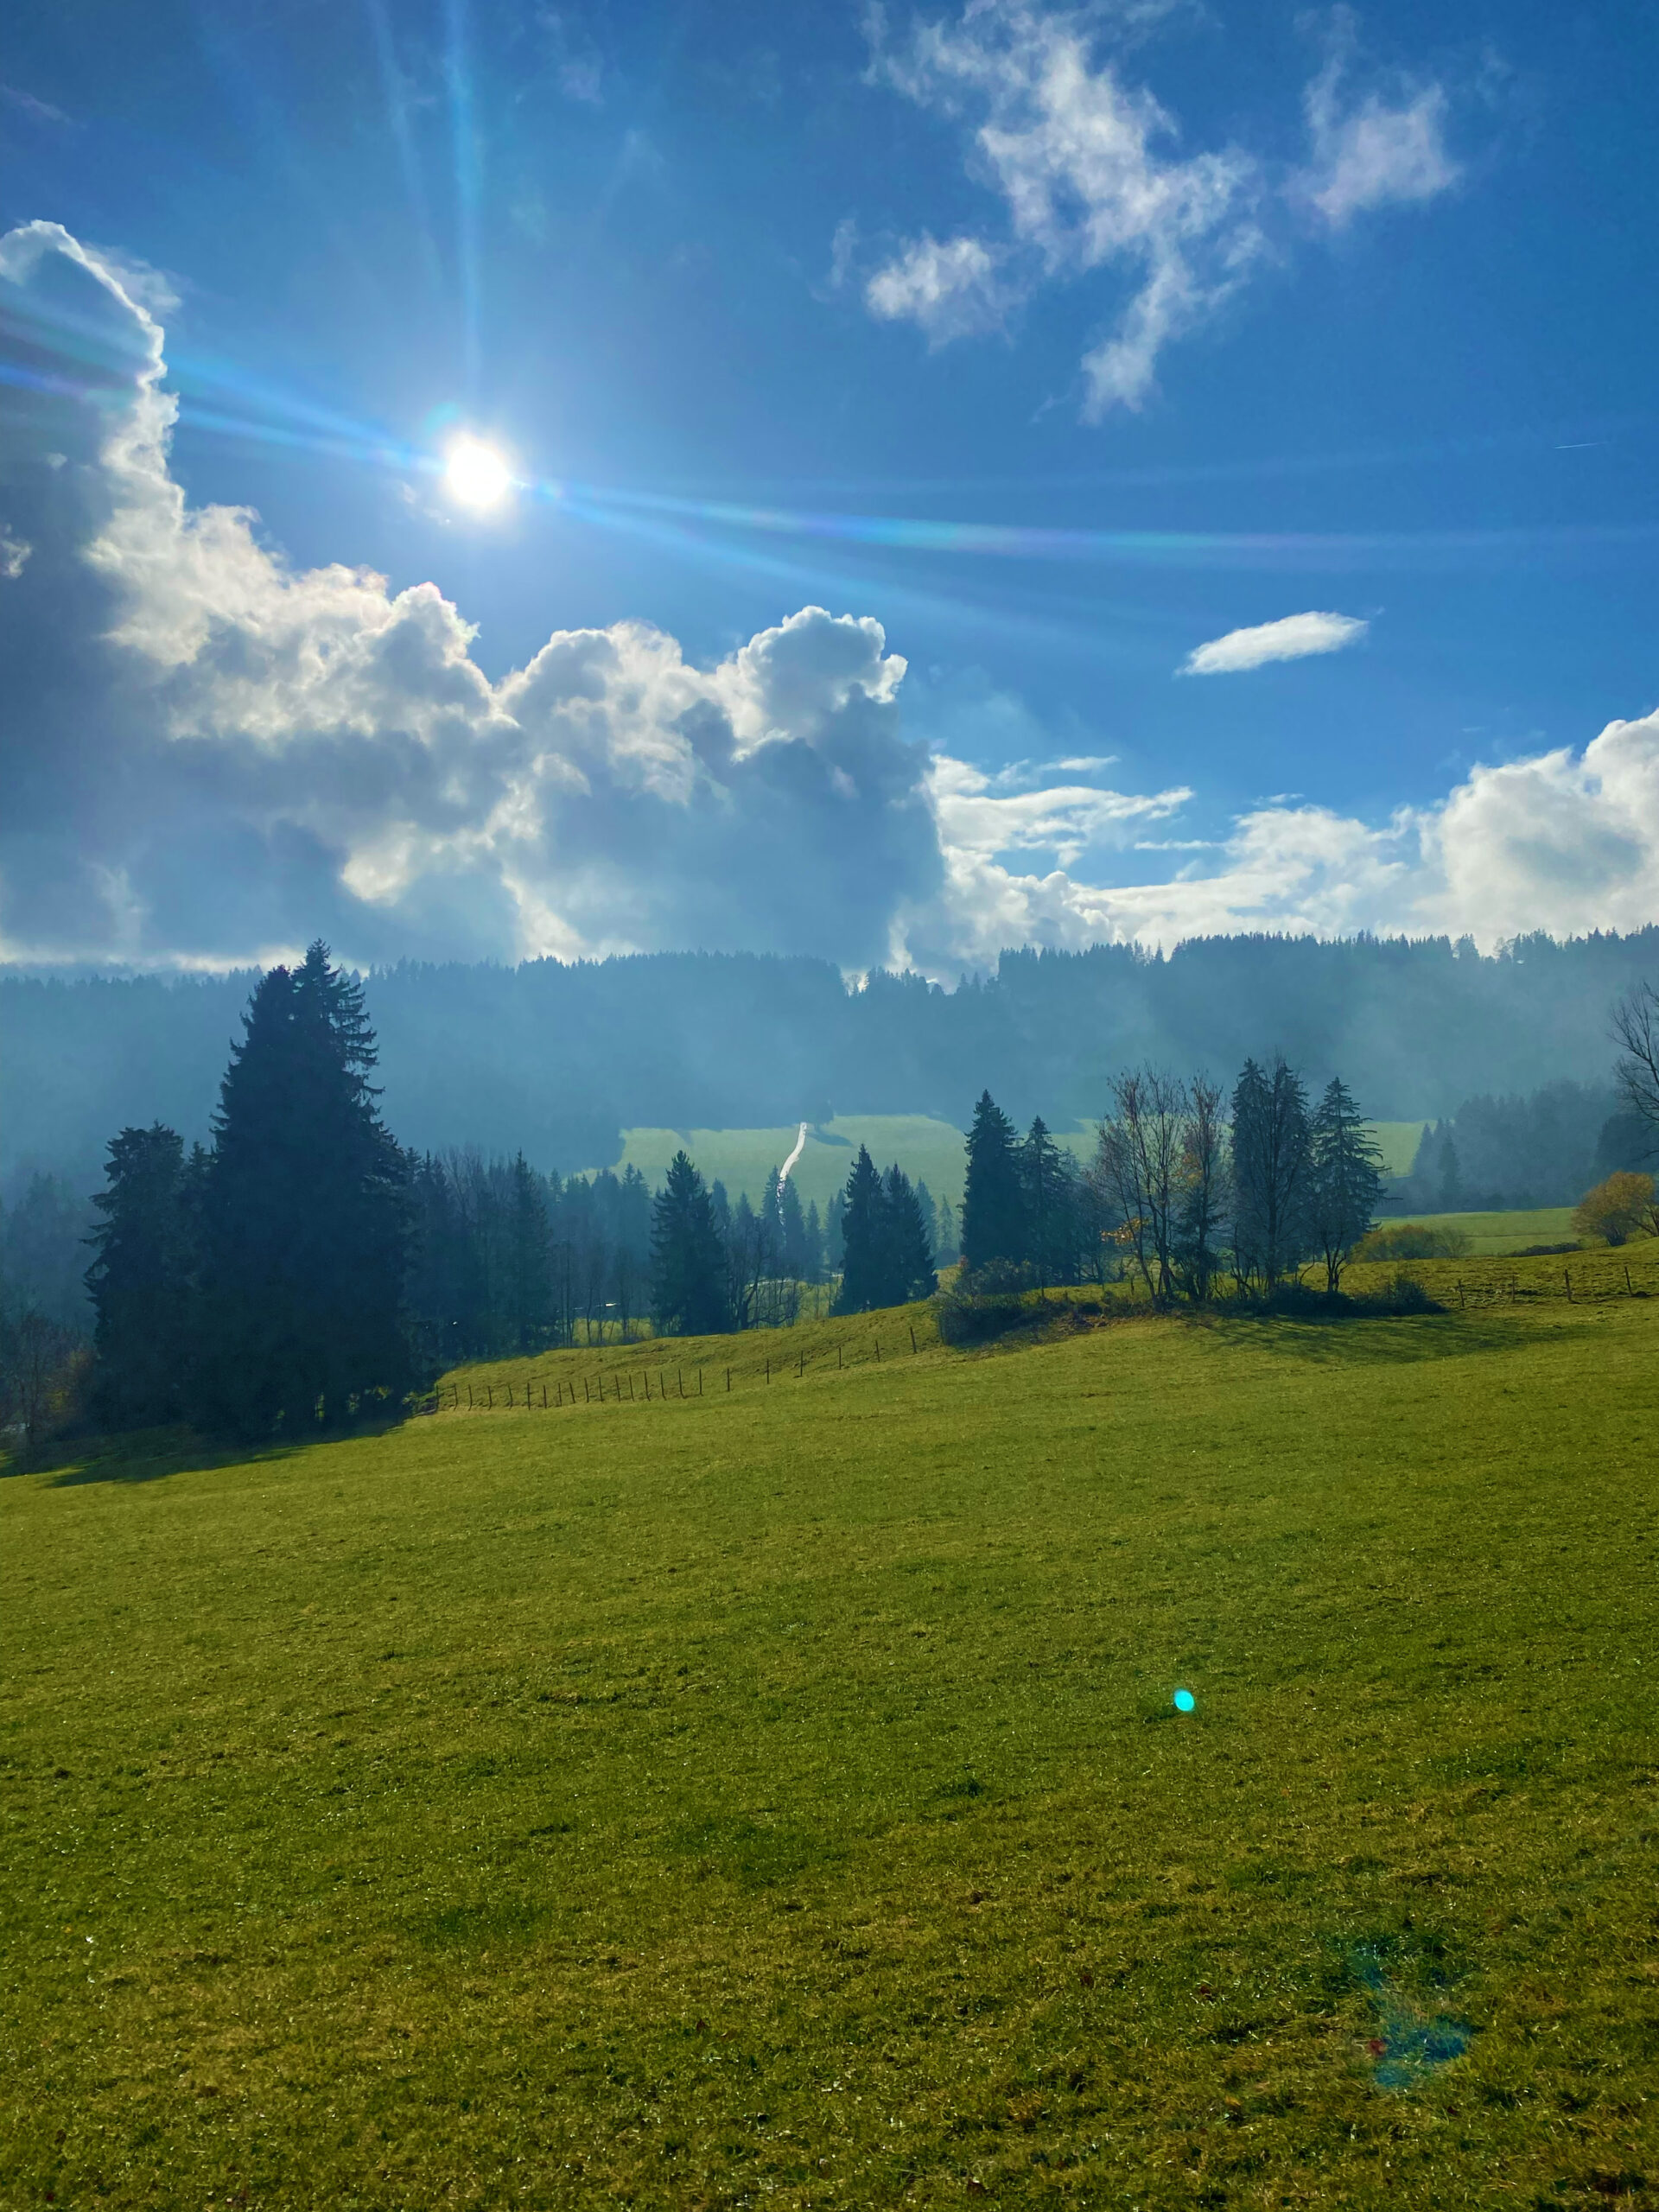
(1619, 1209)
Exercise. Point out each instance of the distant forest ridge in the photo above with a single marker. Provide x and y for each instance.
(557, 1060)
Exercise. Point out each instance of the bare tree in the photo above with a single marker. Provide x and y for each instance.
(39, 1360)
(1137, 1168)
(1204, 1187)
(1636, 1030)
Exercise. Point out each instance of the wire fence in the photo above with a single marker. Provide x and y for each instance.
(616, 1386)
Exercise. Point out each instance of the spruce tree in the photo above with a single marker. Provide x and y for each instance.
(530, 1280)
(1271, 1150)
(139, 1281)
(1346, 1178)
(688, 1294)
(1050, 1202)
(908, 1249)
(866, 1265)
(305, 1216)
(993, 1208)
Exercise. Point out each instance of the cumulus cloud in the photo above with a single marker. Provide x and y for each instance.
(948, 291)
(1293, 637)
(1091, 176)
(1377, 152)
(212, 756)
(213, 753)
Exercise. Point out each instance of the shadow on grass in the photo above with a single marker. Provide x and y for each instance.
(1376, 1340)
(151, 1455)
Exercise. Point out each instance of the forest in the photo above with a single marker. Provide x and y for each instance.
(556, 1061)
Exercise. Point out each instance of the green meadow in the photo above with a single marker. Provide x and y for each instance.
(775, 1795)
(929, 1150)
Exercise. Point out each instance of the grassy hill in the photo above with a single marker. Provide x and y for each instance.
(777, 1795)
(742, 1159)
(929, 1150)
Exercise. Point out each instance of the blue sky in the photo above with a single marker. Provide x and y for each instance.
(1059, 345)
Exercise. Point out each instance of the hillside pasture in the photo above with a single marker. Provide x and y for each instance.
(777, 1795)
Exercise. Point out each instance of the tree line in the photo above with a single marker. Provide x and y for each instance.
(556, 1061)
(304, 1267)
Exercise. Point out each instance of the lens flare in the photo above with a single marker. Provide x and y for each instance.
(1184, 1700)
(476, 473)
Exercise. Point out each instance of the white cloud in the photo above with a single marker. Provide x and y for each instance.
(1374, 155)
(1080, 162)
(1293, 637)
(1090, 177)
(947, 291)
(213, 754)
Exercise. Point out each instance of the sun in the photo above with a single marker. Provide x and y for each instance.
(476, 473)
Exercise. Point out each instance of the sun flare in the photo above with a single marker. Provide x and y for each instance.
(476, 473)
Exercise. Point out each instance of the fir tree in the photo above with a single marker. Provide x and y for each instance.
(1048, 1187)
(865, 1267)
(993, 1211)
(305, 1222)
(907, 1248)
(1345, 1179)
(688, 1293)
(139, 1282)
(1271, 1143)
(530, 1286)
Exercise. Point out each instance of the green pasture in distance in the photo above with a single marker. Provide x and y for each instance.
(777, 1796)
(1397, 1142)
(1493, 1234)
(928, 1151)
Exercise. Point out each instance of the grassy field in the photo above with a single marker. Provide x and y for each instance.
(1494, 1234)
(929, 1150)
(776, 1795)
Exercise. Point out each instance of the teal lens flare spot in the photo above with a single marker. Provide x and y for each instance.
(1184, 1700)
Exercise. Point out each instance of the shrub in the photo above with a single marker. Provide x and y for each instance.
(1412, 1240)
(1616, 1209)
(986, 1302)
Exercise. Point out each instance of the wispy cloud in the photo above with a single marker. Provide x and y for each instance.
(1093, 178)
(1379, 152)
(1293, 637)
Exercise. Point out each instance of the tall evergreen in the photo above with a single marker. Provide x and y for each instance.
(908, 1246)
(1271, 1152)
(992, 1206)
(139, 1281)
(530, 1285)
(1048, 1186)
(865, 1266)
(1346, 1178)
(690, 1296)
(305, 1221)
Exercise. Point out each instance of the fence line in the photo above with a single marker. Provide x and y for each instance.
(446, 1397)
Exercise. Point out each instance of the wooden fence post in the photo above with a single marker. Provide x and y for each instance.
(728, 1378)
(878, 1351)
(912, 1339)
(1627, 1279)
(1568, 1273)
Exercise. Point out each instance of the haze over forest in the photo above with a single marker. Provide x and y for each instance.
(557, 1061)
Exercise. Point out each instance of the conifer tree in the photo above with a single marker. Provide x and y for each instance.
(907, 1248)
(688, 1260)
(530, 1279)
(1271, 1146)
(865, 1270)
(992, 1211)
(139, 1281)
(1046, 1185)
(1345, 1176)
(305, 1219)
